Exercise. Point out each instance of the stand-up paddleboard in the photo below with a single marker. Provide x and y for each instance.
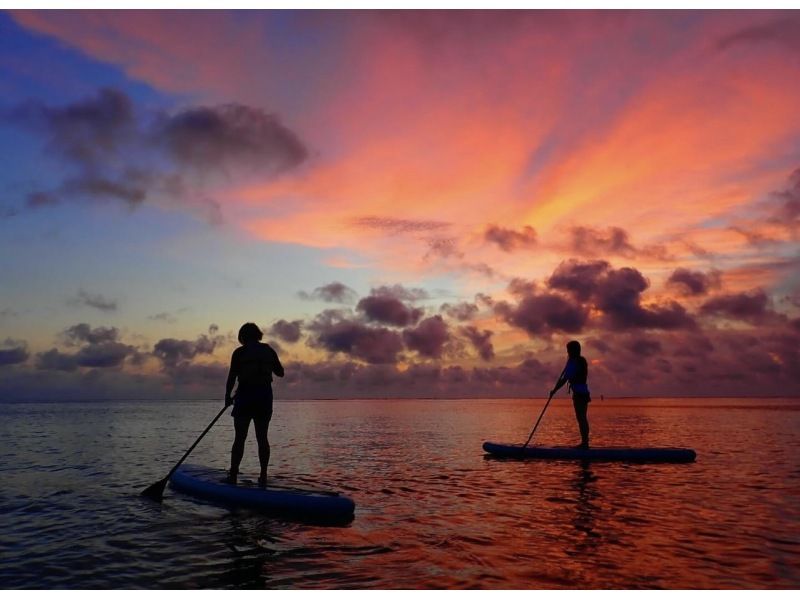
(307, 504)
(641, 455)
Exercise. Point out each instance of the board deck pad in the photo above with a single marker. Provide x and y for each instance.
(641, 455)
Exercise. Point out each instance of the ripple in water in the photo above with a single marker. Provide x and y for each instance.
(431, 512)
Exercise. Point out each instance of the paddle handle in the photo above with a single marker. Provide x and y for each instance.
(196, 442)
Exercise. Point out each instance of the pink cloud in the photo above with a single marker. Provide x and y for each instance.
(428, 127)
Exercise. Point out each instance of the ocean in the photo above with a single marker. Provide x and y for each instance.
(432, 511)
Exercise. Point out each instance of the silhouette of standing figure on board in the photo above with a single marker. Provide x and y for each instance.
(576, 373)
(252, 365)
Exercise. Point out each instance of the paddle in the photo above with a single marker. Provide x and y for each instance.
(155, 492)
(552, 392)
(537, 421)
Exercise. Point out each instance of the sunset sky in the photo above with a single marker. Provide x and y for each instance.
(421, 204)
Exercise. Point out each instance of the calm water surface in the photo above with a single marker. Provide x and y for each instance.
(432, 511)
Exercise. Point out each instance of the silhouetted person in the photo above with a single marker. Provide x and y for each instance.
(253, 365)
(576, 373)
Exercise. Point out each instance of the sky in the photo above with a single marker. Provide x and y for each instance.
(408, 203)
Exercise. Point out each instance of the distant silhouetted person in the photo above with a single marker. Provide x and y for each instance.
(576, 373)
(252, 365)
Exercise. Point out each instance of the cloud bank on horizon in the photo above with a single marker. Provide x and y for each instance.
(416, 203)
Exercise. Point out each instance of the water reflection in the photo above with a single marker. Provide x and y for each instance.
(431, 513)
(587, 501)
(251, 548)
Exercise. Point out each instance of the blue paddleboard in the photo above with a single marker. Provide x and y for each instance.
(642, 455)
(205, 482)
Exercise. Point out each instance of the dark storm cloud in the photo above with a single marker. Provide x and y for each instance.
(386, 304)
(93, 131)
(229, 136)
(429, 337)
(543, 313)
(593, 242)
(460, 311)
(97, 301)
(334, 292)
(578, 278)
(126, 155)
(521, 287)
(103, 355)
(692, 282)
(337, 332)
(784, 32)
(56, 360)
(328, 317)
(509, 239)
(287, 331)
(83, 333)
(87, 131)
(618, 294)
(399, 226)
(388, 310)
(13, 352)
(370, 344)
(100, 349)
(749, 306)
(481, 340)
(173, 351)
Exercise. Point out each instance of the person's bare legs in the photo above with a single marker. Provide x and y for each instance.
(581, 414)
(261, 426)
(241, 426)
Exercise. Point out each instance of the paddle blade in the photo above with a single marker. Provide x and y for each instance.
(156, 491)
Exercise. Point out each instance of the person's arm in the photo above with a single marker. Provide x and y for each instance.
(232, 373)
(277, 368)
(562, 379)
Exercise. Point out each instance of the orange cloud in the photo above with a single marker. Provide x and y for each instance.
(551, 120)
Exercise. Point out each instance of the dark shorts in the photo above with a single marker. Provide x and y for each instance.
(581, 397)
(255, 404)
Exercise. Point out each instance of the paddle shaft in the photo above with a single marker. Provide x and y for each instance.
(155, 491)
(550, 398)
(196, 442)
(537, 422)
